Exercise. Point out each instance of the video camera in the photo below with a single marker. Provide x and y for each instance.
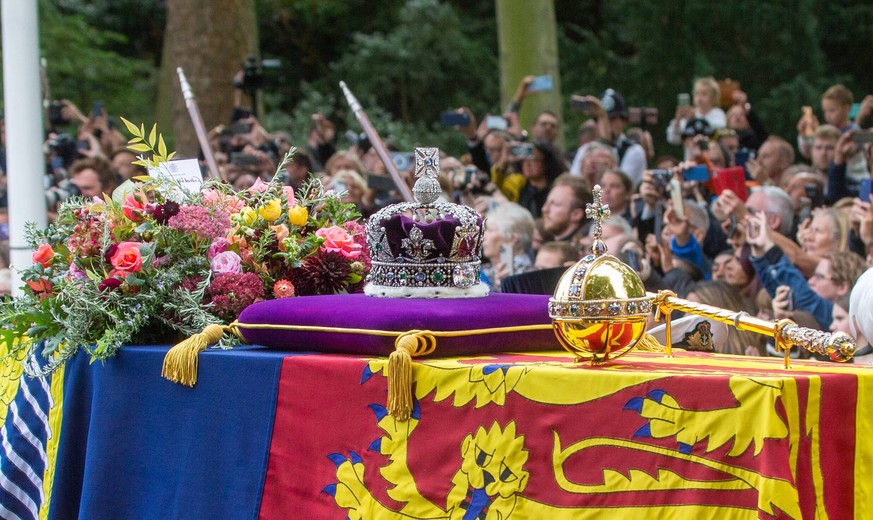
(253, 73)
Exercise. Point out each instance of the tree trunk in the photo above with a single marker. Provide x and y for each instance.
(210, 41)
(527, 37)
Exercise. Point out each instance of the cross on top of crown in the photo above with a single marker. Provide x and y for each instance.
(598, 211)
(427, 162)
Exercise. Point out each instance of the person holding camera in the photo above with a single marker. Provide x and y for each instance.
(705, 106)
(611, 115)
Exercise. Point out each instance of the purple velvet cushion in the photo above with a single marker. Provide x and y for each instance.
(358, 311)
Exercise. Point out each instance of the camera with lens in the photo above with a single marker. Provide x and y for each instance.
(63, 190)
(64, 146)
(471, 179)
(662, 178)
(56, 114)
(253, 73)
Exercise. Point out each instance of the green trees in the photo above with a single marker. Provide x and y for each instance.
(407, 60)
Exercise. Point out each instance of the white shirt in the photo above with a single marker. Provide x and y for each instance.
(715, 117)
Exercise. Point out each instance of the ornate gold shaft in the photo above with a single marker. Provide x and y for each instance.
(838, 346)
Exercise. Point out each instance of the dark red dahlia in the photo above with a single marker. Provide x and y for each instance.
(328, 272)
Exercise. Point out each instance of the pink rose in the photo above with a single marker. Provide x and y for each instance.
(127, 258)
(227, 262)
(133, 208)
(229, 203)
(288, 191)
(258, 186)
(219, 245)
(338, 240)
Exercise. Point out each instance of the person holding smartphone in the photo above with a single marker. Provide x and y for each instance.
(705, 106)
(507, 243)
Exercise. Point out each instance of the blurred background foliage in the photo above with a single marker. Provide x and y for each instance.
(407, 60)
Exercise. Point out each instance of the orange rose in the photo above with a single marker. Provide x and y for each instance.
(128, 258)
(44, 255)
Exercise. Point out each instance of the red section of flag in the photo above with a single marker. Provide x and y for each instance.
(324, 408)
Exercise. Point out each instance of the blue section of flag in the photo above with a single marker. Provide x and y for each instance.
(23, 440)
(134, 445)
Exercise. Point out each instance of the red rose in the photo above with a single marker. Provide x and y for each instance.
(128, 258)
(44, 255)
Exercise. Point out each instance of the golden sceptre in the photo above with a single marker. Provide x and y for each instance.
(837, 346)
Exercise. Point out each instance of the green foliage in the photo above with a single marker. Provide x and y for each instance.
(84, 65)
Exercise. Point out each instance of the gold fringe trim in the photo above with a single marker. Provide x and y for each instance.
(180, 363)
(649, 343)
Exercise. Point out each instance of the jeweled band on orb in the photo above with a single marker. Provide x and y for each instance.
(572, 309)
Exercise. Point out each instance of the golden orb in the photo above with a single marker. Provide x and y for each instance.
(600, 306)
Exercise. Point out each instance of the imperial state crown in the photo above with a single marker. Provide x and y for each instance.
(425, 249)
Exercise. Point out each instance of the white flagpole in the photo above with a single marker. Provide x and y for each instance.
(24, 131)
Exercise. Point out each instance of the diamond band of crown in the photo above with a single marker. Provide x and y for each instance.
(413, 274)
(425, 244)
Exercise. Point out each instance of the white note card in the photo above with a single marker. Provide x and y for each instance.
(184, 174)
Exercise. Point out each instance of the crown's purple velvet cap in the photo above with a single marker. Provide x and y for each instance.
(357, 311)
(441, 232)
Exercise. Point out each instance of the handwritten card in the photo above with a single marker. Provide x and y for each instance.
(184, 176)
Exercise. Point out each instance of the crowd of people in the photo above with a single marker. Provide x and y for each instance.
(739, 218)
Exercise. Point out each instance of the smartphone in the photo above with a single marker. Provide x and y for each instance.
(733, 179)
(862, 136)
(676, 197)
(683, 100)
(633, 259)
(864, 190)
(97, 109)
(380, 183)
(790, 298)
(580, 104)
(853, 112)
(403, 161)
(522, 150)
(650, 116)
(541, 83)
(507, 257)
(83, 144)
(453, 118)
(742, 156)
(635, 115)
(496, 123)
(732, 225)
(699, 173)
(805, 208)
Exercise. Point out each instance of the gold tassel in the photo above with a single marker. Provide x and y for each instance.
(180, 363)
(648, 343)
(412, 343)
